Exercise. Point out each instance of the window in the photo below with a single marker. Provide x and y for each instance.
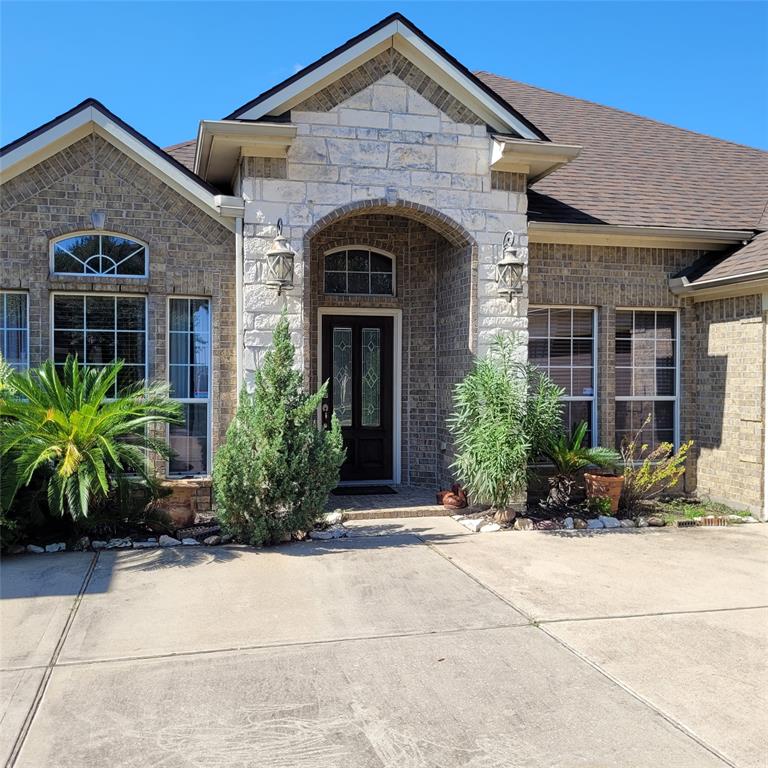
(100, 329)
(189, 372)
(359, 271)
(105, 255)
(646, 375)
(562, 343)
(14, 329)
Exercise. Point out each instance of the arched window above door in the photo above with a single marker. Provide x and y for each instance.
(98, 254)
(359, 271)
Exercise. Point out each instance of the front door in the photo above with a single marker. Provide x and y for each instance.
(357, 364)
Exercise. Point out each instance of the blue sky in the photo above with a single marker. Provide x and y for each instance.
(163, 66)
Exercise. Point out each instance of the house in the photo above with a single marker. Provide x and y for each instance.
(426, 209)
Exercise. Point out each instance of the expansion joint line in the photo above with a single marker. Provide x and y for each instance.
(43, 685)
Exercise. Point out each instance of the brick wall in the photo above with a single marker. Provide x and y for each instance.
(730, 419)
(189, 252)
(435, 323)
(611, 277)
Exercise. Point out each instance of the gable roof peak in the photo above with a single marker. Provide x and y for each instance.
(398, 32)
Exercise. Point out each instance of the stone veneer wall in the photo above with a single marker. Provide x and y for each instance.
(611, 277)
(385, 142)
(189, 252)
(730, 418)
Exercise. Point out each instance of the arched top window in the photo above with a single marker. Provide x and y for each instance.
(98, 254)
(359, 271)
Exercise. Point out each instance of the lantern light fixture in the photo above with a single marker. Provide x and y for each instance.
(280, 260)
(509, 271)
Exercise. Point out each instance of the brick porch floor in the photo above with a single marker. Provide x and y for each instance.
(407, 502)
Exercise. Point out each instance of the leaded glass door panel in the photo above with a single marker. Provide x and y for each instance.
(357, 362)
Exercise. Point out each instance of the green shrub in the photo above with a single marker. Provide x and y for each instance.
(504, 413)
(276, 468)
(65, 427)
(599, 505)
(649, 472)
(569, 455)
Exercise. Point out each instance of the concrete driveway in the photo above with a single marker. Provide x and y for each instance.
(411, 644)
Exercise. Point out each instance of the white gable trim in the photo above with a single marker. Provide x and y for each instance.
(396, 35)
(90, 119)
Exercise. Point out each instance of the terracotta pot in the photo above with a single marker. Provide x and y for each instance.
(608, 486)
(456, 498)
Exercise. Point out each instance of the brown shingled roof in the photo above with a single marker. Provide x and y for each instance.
(184, 153)
(637, 171)
(748, 260)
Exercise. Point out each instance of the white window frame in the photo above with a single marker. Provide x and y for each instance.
(100, 295)
(90, 232)
(26, 321)
(380, 252)
(595, 427)
(676, 399)
(191, 400)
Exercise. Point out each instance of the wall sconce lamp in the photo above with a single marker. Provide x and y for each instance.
(280, 258)
(509, 271)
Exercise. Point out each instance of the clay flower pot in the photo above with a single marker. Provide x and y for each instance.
(456, 498)
(608, 486)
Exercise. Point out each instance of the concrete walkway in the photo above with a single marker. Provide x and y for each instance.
(413, 643)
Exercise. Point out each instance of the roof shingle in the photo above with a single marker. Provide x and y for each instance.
(636, 171)
(184, 152)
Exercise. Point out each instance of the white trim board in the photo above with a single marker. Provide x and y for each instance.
(397, 376)
(398, 35)
(90, 119)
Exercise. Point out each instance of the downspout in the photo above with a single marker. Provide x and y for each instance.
(239, 303)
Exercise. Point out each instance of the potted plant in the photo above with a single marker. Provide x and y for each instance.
(569, 455)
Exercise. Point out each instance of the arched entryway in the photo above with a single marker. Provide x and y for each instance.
(388, 309)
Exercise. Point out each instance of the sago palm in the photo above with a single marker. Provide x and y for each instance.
(569, 455)
(66, 425)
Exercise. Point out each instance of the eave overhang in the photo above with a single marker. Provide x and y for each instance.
(634, 236)
(395, 31)
(221, 144)
(535, 159)
(92, 117)
(734, 285)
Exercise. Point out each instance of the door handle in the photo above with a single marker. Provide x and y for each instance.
(326, 416)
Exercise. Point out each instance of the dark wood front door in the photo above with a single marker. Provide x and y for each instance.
(357, 364)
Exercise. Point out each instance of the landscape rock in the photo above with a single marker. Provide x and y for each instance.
(568, 523)
(34, 549)
(98, 544)
(17, 549)
(81, 544)
(749, 520)
(731, 519)
(642, 522)
(299, 535)
(490, 528)
(333, 518)
(627, 523)
(595, 524)
(145, 545)
(656, 522)
(336, 532)
(523, 524)
(59, 546)
(473, 524)
(212, 541)
(457, 518)
(227, 538)
(125, 543)
(547, 525)
(609, 522)
(169, 541)
(188, 541)
(579, 523)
